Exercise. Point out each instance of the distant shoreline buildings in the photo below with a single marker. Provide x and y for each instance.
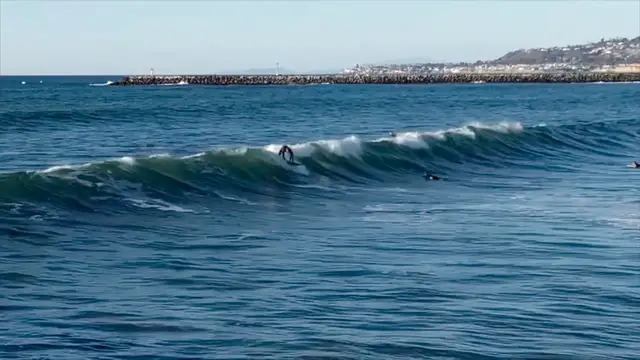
(614, 55)
(406, 69)
(614, 60)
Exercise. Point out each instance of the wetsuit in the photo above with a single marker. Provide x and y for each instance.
(286, 149)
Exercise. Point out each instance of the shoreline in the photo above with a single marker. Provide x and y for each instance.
(340, 79)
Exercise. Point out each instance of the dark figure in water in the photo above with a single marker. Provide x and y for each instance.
(636, 164)
(286, 149)
(428, 176)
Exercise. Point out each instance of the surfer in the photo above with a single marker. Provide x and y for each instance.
(635, 164)
(286, 149)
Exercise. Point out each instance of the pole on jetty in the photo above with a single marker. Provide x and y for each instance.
(277, 68)
(151, 71)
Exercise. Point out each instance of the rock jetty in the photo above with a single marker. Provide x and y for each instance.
(459, 78)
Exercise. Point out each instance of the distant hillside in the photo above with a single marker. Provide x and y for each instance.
(605, 52)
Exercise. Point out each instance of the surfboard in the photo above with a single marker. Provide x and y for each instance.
(293, 163)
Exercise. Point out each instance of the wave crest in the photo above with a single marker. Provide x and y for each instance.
(235, 172)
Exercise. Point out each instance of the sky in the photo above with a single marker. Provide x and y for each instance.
(122, 37)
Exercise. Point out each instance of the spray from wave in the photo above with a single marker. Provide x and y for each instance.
(102, 84)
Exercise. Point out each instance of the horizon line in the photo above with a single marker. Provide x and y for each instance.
(176, 74)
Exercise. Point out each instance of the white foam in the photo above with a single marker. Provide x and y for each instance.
(349, 146)
(442, 134)
(307, 186)
(405, 214)
(99, 84)
(158, 204)
(300, 169)
(410, 139)
(245, 236)
(416, 139)
(352, 146)
(57, 168)
(628, 221)
(15, 207)
(193, 156)
(614, 83)
(84, 183)
(128, 160)
(234, 198)
(503, 127)
(239, 151)
(61, 167)
(124, 160)
(392, 208)
(468, 130)
(180, 83)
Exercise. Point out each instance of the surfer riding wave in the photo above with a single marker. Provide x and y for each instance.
(286, 149)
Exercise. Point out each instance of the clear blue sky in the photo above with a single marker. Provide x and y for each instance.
(129, 37)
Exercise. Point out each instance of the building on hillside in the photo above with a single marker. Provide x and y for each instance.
(627, 68)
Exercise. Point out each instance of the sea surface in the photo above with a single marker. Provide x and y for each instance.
(159, 222)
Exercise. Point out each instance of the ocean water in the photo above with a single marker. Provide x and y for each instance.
(159, 222)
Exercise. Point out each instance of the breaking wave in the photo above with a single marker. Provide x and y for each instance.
(233, 173)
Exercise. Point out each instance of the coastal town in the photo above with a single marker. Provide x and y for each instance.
(613, 60)
(613, 55)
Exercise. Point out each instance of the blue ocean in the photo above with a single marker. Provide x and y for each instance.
(160, 223)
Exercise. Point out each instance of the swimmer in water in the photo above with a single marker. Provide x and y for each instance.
(286, 149)
(392, 134)
(636, 164)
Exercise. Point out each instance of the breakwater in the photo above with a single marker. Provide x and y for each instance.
(459, 78)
